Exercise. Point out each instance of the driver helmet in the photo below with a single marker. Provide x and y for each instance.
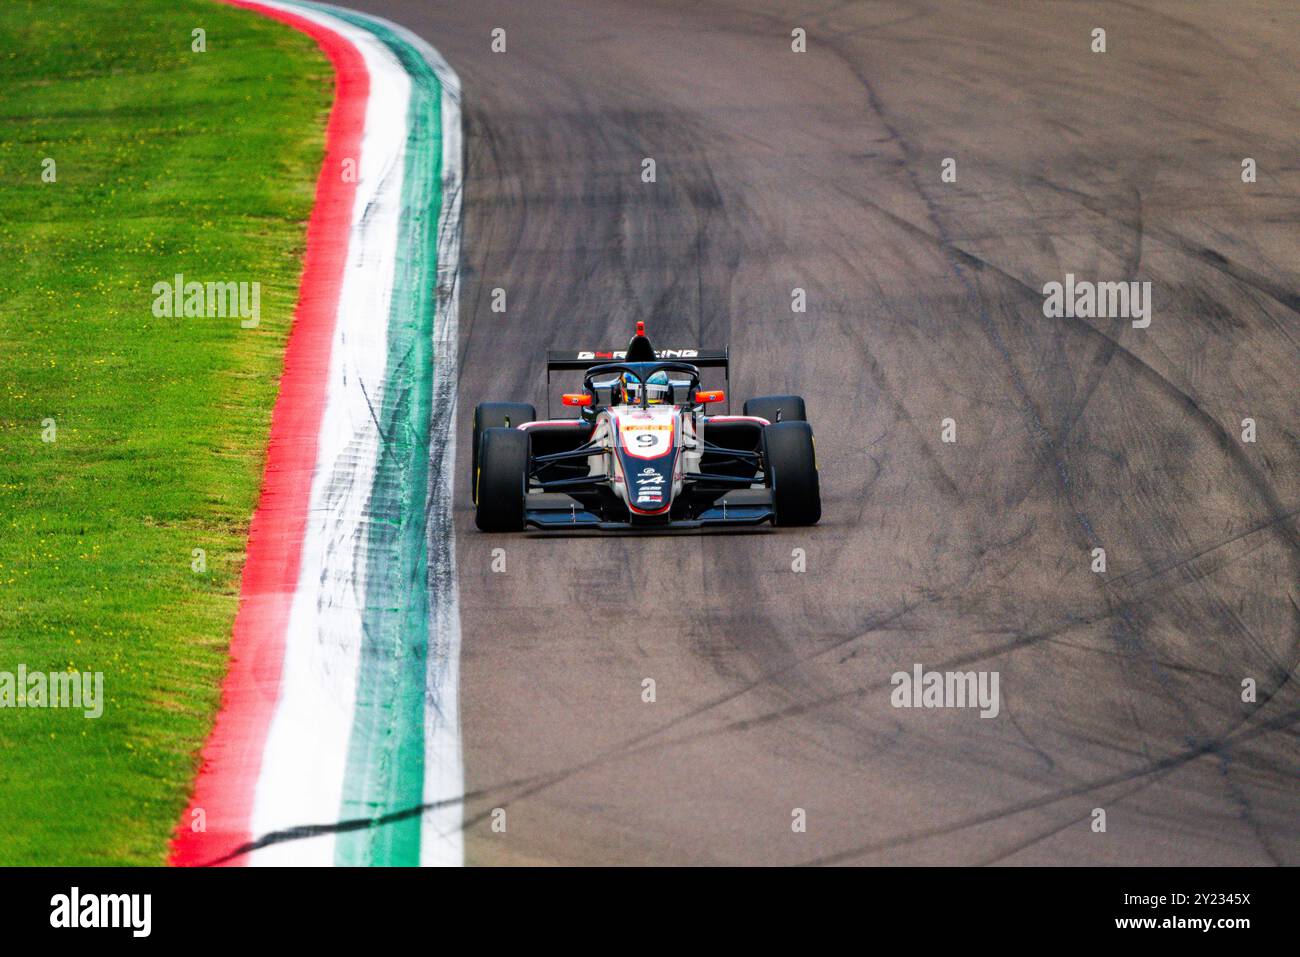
(658, 389)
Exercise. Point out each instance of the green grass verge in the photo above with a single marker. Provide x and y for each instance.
(167, 161)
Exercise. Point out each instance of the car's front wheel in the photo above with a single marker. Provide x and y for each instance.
(495, 415)
(501, 480)
(790, 464)
(777, 408)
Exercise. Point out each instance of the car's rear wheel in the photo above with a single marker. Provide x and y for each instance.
(790, 464)
(502, 480)
(495, 415)
(784, 408)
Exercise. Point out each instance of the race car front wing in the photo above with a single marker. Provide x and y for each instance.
(747, 507)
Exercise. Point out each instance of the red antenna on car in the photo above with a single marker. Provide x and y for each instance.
(640, 328)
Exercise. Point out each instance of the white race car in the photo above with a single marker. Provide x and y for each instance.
(643, 451)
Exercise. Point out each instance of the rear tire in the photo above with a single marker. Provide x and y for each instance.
(790, 462)
(494, 415)
(767, 406)
(502, 480)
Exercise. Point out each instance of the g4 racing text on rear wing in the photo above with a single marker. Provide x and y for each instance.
(557, 360)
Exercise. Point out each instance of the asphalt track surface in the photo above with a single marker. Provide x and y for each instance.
(1120, 691)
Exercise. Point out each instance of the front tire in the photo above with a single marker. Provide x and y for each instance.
(501, 480)
(790, 464)
(788, 407)
(494, 415)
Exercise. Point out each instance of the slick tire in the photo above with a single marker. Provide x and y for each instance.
(495, 415)
(767, 406)
(502, 480)
(791, 466)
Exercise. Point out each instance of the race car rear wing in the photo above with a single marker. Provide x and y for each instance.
(560, 359)
(582, 360)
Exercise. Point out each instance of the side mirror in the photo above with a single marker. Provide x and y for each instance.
(578, 398)
(714, 395)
